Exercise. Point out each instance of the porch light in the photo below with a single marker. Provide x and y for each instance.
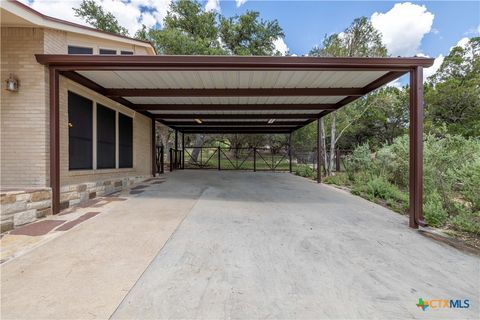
(12, 83)
(271, 121)
(198, 121)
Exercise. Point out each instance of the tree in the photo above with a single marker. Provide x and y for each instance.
(94, 15)
(247, 34)
(187, 30)
(360, 39)
(452, 96)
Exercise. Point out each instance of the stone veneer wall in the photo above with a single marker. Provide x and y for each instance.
(77, 193)
(19, 207)
(23, 206)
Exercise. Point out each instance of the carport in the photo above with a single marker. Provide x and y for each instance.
(232, 94)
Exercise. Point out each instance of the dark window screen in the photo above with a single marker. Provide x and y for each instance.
(79, 50)
(126, 52)
(107, 51)
(125, 127)
(105, 137)
(79, 132)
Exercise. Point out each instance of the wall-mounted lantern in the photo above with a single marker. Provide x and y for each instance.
(12, 83)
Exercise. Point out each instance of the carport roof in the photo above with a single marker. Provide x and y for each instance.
(232, 94)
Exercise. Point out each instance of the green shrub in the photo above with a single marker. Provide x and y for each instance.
(434, 213)
(377, 188)
(304, 171)
(339, 179)
(451, 178)
(467, 221)
(469, 183)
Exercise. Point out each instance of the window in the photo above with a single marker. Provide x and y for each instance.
(125, 143)
(80, 131)
(79, 50)
(126, 52)
(108, 51)
(105, 137)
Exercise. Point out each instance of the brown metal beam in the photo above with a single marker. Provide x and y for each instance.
(164, 62)
(237, 130)
(254, 92)
(54, 139)
(232, 107)
(231, 123)
(237, 116)
(253, 127)
(416, 149)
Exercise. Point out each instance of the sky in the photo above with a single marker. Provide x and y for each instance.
(423, 28)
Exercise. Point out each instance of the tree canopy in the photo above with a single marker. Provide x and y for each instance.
(94, 15)
(452, 96)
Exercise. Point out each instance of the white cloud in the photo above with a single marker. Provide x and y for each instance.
(403, 27)
(240, 2)
(281, 46)
(213, 5)
(395, 83)
(461, 43)
(130, 15)
(427, 72)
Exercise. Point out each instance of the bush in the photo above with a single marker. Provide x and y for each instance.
(377, 188)
(434, 213)
(469, 186)
(304, 171)
(467, 221)
(339, 179)
(451, 178)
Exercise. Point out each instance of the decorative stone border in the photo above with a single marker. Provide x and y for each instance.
(19, 207)
(77, 193)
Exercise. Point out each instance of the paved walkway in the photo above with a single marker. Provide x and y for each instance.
(208, 244)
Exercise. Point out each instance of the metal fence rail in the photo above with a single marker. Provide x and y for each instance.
(252, 159)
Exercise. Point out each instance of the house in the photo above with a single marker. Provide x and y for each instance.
(78, 121)
(118, 139)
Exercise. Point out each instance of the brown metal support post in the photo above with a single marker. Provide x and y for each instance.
(416, 148)
(219, 159)
(154, 149)
(183, 151)
(254, 159)
(290, 152)
(54, 140)
(319, 172)
(171, 159)
(161, 159)
(176, 148)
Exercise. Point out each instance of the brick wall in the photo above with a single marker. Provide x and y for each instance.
(55, 41)
(24, 114)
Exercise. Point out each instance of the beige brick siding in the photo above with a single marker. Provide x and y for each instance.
(141, 139)
(24, 114)
(55, 42)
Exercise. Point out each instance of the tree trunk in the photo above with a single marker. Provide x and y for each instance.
(199, 138)
(333, 133)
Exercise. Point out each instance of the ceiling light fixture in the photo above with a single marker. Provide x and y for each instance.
(271, 121)
(198, 121)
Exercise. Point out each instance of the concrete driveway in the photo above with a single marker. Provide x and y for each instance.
(250, 245)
